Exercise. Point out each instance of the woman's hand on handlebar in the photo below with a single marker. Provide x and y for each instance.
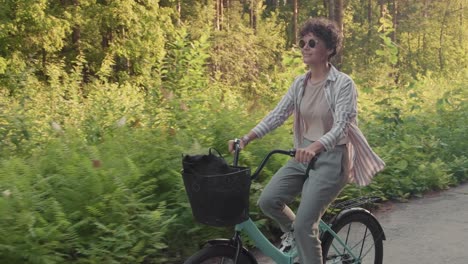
(305, 155)
(231, 145)
(243, 141)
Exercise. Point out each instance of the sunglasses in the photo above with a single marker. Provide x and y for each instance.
(311, 43)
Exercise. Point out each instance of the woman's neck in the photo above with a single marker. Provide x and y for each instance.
(319, 72)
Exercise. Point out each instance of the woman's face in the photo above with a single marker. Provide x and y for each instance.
(314, 50)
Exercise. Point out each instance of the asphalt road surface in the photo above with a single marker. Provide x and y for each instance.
(432, 229)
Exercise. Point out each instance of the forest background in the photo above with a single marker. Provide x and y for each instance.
(99, 99)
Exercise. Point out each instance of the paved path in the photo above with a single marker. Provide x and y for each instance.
(432, 229)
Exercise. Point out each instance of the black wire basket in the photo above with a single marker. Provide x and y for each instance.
(218, 195)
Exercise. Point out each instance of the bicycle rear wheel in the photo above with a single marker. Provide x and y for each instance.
(363, 236)
(218, 254)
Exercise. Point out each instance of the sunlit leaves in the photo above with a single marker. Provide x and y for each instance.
(99, 99)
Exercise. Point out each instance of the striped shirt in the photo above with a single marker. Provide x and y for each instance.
(341, 96)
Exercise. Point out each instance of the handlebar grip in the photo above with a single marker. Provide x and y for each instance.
(311, 165)
(292, 152)
(236, 151)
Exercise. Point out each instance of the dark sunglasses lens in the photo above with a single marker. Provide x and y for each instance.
(312, 43)
(301, 43)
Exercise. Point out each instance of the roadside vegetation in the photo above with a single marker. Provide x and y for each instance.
(100, 99)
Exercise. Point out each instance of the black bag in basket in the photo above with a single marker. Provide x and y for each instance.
(218, 193)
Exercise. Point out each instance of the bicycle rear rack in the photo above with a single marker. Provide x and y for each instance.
(363, 202)
(356, 202)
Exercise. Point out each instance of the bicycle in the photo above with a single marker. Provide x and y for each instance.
(341, 244)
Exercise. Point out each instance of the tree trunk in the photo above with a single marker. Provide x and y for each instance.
(227, 6)
(76, 31)
(369, 19)
(253, 14)
(44, 60)
(331, 9)
(369, 29)
(179, 8)
(217, 25)
(441, 36)
(383, 7)
(295, 14)
(339, 13)
(335, 12)
(424, 36)
(460, 37)
(410, 51)
(395, 20)
(221, 14)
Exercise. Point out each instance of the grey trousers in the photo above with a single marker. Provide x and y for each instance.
(318, 190)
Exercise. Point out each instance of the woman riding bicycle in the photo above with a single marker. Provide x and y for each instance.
(324, 104)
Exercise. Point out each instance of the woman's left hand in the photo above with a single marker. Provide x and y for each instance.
(305, 155)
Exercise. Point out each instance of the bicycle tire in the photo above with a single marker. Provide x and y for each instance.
(217, 254)
(361, 221)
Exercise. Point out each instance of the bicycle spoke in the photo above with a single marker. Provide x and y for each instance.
(378, 238)
(357, 245)
(362, 256)
(363, 240)
(347, 237)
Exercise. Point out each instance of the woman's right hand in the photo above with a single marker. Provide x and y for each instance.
(231, 145)
(243, 141)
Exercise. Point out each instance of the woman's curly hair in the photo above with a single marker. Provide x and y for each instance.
(326, 30)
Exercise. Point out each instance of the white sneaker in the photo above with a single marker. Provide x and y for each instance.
(287, 242)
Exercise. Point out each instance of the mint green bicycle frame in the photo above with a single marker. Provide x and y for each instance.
(261, 242)
(267, 248)
(349, 212)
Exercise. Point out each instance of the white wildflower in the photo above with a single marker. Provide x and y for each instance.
(122, 122)
(56, 126)
(6, 193)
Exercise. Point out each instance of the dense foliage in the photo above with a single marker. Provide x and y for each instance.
(99, 99)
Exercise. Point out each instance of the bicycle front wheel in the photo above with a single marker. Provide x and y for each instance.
(361, 233)
(218, 254)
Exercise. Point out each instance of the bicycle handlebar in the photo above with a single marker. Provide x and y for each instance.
(291, 153)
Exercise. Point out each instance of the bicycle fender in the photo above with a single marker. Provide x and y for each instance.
(227, 242)
(357, 210)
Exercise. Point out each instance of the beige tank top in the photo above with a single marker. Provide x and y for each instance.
(316, 113)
